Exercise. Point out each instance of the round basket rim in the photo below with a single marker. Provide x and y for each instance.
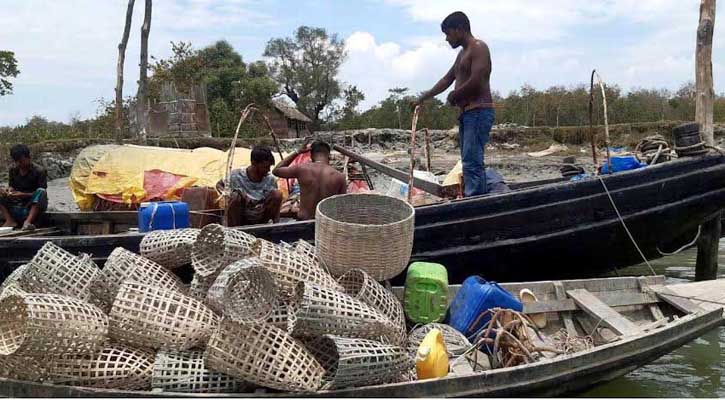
(326, 218)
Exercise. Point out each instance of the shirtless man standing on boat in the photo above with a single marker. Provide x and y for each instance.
(318, 179)
(472, 94)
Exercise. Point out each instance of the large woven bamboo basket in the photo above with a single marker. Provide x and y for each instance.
(40, 325)
(361, 286)
(351, 362)
(283, 314)
(14, 278)
(244, 291)
(290, 267)
(169, 248)
(122, 265)
(263, 355)
(216, 247)
(456, 342)
(147, 316)
(186, 372)
(367, 231)
(114, 367)
(319, 311)
(54, 270)
(200, 285)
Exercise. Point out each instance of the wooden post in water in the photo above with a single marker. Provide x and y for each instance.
(708, 243)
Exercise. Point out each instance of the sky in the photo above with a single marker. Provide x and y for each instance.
(67, 49)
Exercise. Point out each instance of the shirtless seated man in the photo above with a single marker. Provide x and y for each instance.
(318, 179)
(255, 198)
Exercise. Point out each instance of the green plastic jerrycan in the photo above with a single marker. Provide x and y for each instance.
(426, 292)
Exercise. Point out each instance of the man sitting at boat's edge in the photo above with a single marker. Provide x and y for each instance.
(255, 198)
(318, 179)
(25, 199)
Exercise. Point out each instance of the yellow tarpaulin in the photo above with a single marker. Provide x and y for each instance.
(119, 170)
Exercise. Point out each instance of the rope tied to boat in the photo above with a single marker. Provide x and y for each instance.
(692, 243)
(634, 242)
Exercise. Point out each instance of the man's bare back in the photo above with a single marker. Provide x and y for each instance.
(318, 180)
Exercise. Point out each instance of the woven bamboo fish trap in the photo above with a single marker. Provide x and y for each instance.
(351, 362)
(200, 285)
(114, 367)
(50, 324)
(14, 278)
(283, 314)
(367, 231)
(216, 247)
(290, 267)
(264, 355)
(122, 265)
(244, 291)
(56, 271)
(11, 290)
(169, 248)
(319, 311)
(361, 286)
(456, 342)
(186, 372)
(147, 316)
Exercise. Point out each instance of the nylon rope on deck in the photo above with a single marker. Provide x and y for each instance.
(611, 200)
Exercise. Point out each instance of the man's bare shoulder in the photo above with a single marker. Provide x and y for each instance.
(480, 46)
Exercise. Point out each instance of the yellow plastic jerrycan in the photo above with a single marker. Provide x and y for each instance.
(432, 358)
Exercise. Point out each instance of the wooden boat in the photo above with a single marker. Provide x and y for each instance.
(556, 230)
(633, 321)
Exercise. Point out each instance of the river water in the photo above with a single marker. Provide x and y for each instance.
(695, 370)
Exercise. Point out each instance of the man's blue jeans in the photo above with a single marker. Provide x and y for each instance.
(473, 129)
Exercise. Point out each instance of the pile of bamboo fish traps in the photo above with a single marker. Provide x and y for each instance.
(256, 315)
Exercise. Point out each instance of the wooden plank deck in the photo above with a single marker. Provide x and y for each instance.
(709, 295)
(600, 311)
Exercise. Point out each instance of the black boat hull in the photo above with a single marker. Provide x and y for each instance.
(556, 231)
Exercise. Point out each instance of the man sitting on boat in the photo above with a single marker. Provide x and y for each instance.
(26, 199)
(255, 198)
(318, 179)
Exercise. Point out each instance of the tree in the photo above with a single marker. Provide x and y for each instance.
(141, 97)
(306, 68)
(119, 71)
(352, 97)
(397, 94)
(8, 69)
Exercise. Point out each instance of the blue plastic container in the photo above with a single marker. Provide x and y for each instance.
(622, 163)
(163, 215)
(473, 299)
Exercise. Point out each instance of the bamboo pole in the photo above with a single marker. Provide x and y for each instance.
(143, 70)
(591, 118)
(119, 71)
(412, 154)
(708, 243)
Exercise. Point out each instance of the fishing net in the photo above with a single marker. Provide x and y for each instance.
(186, 372)
(290, 267)
(122, 265)
(319, 311)
(144, 315)
(170, 248)
(216, 247)
(56, 271)
(264, 355)
(114, 367)
(243, 291)
(367, 231)
(350, 362)
(359, 285)
(456, 342)
(40, 325)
